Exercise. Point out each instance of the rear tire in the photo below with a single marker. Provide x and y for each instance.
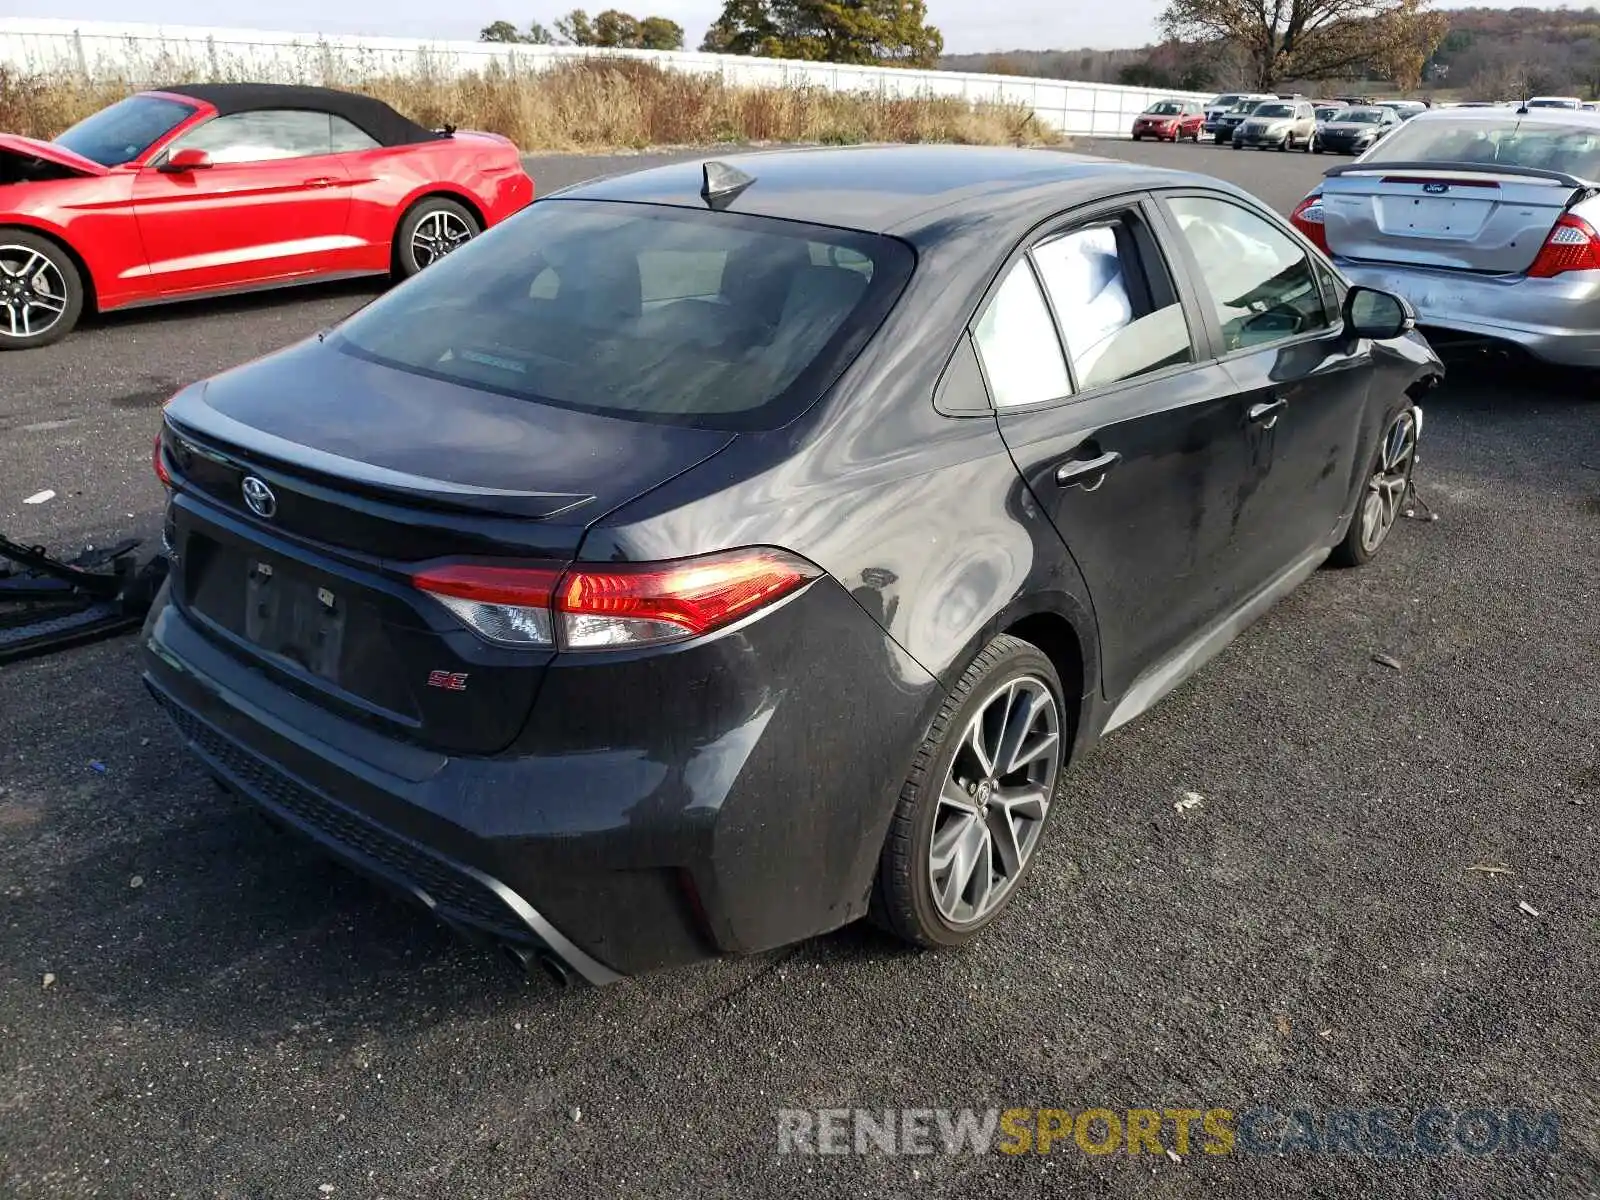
(430, 230)
(966, 830)
(41, 291)
(1383, 492)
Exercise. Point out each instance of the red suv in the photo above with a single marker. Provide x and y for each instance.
(1170, 121)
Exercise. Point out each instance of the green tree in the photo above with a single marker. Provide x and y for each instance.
(616, 30)
(658, 33)
(1314, 39)
(500, 31)
(575, 28)
(881, 32)
(505, 31)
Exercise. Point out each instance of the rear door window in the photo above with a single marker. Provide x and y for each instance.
(666, 314)
(1116, 305)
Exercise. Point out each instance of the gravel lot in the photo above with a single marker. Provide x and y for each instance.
(229, 1015)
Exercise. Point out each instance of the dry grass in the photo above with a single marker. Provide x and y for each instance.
(600, 104)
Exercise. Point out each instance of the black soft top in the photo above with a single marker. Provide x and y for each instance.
(372, 117)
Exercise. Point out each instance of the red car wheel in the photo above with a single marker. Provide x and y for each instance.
(41, 292)
(432, 229)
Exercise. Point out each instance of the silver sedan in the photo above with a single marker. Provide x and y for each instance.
(1487, 220)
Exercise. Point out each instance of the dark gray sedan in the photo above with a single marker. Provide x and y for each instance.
(1354, 130)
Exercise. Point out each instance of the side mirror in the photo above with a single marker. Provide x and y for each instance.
(1369, 313)
(186, 160)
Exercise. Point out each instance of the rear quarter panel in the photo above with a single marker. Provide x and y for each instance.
(483, 171)
(94, 218)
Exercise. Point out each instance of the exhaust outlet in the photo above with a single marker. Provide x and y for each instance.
(526, 960)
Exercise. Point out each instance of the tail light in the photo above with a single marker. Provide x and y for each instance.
(592, 607)
(1307, 218)
(158, 460)
(1572, 245)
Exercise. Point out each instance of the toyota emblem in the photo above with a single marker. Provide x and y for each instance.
(259, 497)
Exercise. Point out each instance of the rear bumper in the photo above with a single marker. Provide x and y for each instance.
(727, 798)
(1556, 320)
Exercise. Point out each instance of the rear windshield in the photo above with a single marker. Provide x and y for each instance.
(1225, 100)
(1165, 108)
(1275, 110)
(126, 130)
(662, 314)
(1554, 104)
(1573, 149)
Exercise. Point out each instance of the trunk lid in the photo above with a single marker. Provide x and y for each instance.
(1459, 217)
(372, 471)
(16, 146)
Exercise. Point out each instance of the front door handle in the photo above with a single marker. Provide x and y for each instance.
(321, 181)
(1087, 473)
(1266, 414)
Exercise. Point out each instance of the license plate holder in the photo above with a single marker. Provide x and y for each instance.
(293, 617)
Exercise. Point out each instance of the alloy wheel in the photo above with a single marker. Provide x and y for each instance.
(992, 806)
(1386, 489)
(33, 295)
(437, 234)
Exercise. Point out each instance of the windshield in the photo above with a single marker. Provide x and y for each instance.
(1227, 100)
(124, 131)
(1554, 104)
(1360, 116)
(1275, 110)
(1573, 149)
(1245, 106)
(1165, 108)
(663, 314)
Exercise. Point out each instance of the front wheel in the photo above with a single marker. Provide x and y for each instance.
(432, 229)
(41, 292)
(973, 810)
(1384, 493)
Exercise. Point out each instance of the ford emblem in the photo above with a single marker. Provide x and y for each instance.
(1436, 188)
(259, 497)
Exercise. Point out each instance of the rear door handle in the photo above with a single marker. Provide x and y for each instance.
(1266, 414)
(321, 181)
(1087, 473)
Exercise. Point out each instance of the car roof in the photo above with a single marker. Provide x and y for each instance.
(1548, 116)
(371, 116)
(905, 191)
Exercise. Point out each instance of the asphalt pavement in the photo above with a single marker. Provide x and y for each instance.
(193, 1005)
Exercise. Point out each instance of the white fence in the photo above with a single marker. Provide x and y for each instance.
(151, 54)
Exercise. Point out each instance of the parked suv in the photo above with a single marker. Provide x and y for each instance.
(1278, 124)
(1217, 106)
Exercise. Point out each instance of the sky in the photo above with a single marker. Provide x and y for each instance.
(969, 26)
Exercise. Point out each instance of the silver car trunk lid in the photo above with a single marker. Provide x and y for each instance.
(1458, 216)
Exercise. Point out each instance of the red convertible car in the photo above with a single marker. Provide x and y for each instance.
(214, 188)
(1170, 120)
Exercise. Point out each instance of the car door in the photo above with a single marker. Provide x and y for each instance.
(1268, 305)
(273, 204)
(1125, 431)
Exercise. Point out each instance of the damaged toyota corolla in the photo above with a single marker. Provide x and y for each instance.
(712, 556)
